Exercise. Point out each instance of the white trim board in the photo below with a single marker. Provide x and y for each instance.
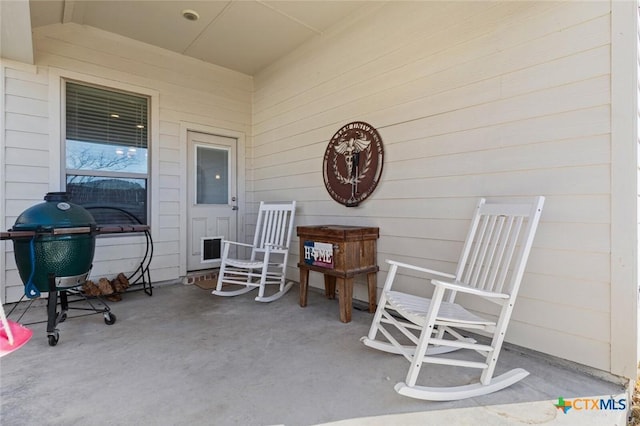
(624, 189)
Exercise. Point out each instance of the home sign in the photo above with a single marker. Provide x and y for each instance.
(318, 254)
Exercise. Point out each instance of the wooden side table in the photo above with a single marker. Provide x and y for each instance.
(340, 253)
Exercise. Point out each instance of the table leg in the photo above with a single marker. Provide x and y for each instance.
(345, 298)
(330, 286)
(304, 284)
(372, 282)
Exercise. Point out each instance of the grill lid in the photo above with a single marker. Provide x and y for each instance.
(55, 212)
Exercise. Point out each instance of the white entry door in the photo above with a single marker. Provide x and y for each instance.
(212, 209)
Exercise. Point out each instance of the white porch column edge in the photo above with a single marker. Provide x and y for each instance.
(624, 188)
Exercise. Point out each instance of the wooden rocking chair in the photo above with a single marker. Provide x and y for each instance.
(269, 253)
(491, 267)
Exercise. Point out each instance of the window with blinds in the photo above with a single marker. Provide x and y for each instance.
(106, 149)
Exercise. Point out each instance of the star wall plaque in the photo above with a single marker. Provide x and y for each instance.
(353, 163)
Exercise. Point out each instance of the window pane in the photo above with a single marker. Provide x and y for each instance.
(113, 158)
(120, 193)
(212, 180)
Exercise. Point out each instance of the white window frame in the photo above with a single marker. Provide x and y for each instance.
(57, 134)
(101, 173)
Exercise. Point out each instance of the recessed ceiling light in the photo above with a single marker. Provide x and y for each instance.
(190, 15)
(114, 116)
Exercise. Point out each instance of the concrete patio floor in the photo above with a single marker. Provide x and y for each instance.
(186, 357)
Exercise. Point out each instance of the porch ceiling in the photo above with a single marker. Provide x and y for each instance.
(245, 35)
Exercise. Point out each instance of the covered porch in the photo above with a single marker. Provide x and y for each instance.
(504, 100)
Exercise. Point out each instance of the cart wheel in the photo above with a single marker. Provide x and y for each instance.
(109, 318)
(63, 317)
(53, 339)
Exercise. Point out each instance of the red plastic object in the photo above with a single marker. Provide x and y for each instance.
(17, 332)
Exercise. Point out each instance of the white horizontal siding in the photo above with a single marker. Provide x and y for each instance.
(470, 57)
(579, 349)
(189, 90)
(502, 100)
(112, 54)
(115, 254)
(26, 145)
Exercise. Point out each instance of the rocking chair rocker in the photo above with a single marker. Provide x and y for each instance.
(269, 253)
(491, 267)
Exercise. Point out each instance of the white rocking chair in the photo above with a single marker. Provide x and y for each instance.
(491, 267)
(269, 253)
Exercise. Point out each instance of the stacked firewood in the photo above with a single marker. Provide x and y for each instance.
(111, 290)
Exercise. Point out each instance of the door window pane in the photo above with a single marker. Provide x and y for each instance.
(212, 175)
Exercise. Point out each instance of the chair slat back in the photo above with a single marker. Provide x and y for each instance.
(274, 225)
(498, 245)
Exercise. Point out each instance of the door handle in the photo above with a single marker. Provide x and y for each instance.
(234, 207)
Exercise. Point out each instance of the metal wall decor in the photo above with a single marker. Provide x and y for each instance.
(353, 163)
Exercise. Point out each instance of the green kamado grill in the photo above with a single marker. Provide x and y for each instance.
(63, 244)
(54, 243)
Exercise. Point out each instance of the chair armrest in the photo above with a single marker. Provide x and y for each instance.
(418, 268)
(236, 243)
(463, 288)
